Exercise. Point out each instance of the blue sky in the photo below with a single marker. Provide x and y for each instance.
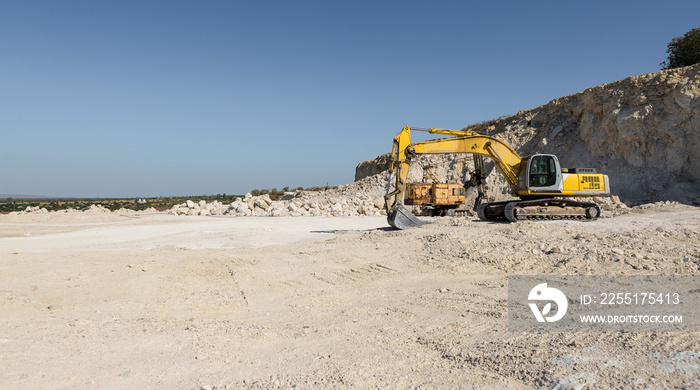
(161, 98)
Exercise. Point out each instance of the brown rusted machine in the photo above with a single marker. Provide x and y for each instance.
(433, 197)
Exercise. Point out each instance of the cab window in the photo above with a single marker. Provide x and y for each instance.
(542, 171)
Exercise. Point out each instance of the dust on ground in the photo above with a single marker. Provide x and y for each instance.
(155, 301)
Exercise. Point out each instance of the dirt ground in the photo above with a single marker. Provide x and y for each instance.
(109, 301)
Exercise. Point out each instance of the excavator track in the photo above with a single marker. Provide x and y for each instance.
(540, 209)
(494, 211)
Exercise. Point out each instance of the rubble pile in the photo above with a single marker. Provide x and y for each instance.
(611, 206)
(34, 209)
(324, 204)
(362, 197)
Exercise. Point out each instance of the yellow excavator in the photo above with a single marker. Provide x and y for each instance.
(544, 188)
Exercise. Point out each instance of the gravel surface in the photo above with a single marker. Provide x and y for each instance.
(95, 301)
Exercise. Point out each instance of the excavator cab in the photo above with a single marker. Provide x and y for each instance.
(540, 173)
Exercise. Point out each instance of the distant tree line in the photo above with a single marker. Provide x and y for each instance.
(8, 205)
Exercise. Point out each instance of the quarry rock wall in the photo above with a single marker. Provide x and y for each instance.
(643, 132)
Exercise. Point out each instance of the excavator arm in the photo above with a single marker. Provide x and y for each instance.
(506, 159)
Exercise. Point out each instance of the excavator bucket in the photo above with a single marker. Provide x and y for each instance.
(400, 218)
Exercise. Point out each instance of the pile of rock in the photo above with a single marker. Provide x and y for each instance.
(193, 208)
(97, 209)
(302, 203)
(41, 210)
(611, 206)
(34, 209)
